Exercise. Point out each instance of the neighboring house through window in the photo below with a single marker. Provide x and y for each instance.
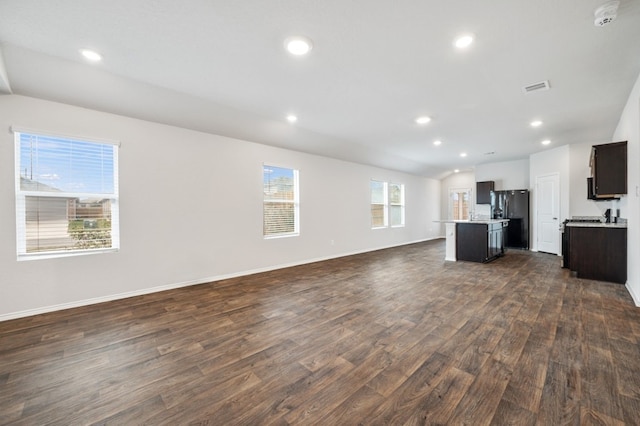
(281, 205)
(66, 196)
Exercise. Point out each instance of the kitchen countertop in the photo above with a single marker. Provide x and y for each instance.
(478, 221)
(596, 225)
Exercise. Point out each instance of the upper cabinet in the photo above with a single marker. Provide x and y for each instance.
(609, 170)
(483, 192)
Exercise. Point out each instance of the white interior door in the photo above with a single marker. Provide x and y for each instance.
(548, 209)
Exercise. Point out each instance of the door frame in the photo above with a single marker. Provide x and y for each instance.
(537, 208)
(453, 190)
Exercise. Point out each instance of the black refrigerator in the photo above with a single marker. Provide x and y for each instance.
(513, 204)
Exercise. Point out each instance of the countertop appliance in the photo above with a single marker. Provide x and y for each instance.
(513, 204)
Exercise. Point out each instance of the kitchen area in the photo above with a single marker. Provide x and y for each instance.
(588, 225)
(484, 237)
(595, 247)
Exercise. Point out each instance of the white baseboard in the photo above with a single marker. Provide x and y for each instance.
(634, 295)
(112, 297)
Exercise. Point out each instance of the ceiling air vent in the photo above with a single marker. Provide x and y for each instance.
(536, 87)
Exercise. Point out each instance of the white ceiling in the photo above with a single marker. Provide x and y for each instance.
(219, 66)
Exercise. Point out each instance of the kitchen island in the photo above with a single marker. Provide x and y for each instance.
(474, 240)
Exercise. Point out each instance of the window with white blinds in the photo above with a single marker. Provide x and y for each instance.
(66, 196)
(387, 204)
(281, 202)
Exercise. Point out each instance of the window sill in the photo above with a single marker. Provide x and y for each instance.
(55, 255)
(275, 237)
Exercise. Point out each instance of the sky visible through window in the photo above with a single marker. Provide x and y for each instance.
(272, 173)
(67, 165)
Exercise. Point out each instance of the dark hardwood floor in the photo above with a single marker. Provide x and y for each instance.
(393, 337)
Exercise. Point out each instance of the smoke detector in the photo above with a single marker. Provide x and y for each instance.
(606, 13)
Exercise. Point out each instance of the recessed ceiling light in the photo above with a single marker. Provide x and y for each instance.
(545, 142)
(456, 171)
(423, 119)
(463, 154)
(437, 143)
(91, 55)
(536, 123)
(464, 41)
(292, 118)
(298, 45)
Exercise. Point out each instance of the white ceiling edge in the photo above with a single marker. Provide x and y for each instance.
(5, 88)
(42, 76)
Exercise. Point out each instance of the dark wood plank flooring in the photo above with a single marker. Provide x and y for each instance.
(392, 337)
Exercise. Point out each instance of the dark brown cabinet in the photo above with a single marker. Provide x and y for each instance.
(597, 253)
(483, 192)
(609, 169)
(479, 242)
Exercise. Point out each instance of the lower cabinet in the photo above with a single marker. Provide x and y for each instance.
(496, 240)
(598, 253)
(479, 242)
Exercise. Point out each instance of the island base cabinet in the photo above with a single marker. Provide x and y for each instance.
(477, 242)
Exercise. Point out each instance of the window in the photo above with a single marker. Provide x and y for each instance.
(379, 218)
(459, 203)
(66, 196)
(387, 204)
(396, 204)
(281, 202)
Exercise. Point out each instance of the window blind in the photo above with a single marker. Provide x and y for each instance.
(66, 195)
(281, 205)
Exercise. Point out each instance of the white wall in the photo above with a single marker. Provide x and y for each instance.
(579, 204)
(455, 181)
(544, 163)
(191, 210)
(505, 174)
(629, 129)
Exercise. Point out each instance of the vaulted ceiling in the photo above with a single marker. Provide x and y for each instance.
(220, 66)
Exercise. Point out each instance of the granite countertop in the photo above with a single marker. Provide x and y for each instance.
(478, 221)
(596, 225)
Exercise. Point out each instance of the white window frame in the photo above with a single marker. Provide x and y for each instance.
(295, 202)
(387, 204)
(453, 191)
(384, 203)
(21, 197)
(401, 204)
